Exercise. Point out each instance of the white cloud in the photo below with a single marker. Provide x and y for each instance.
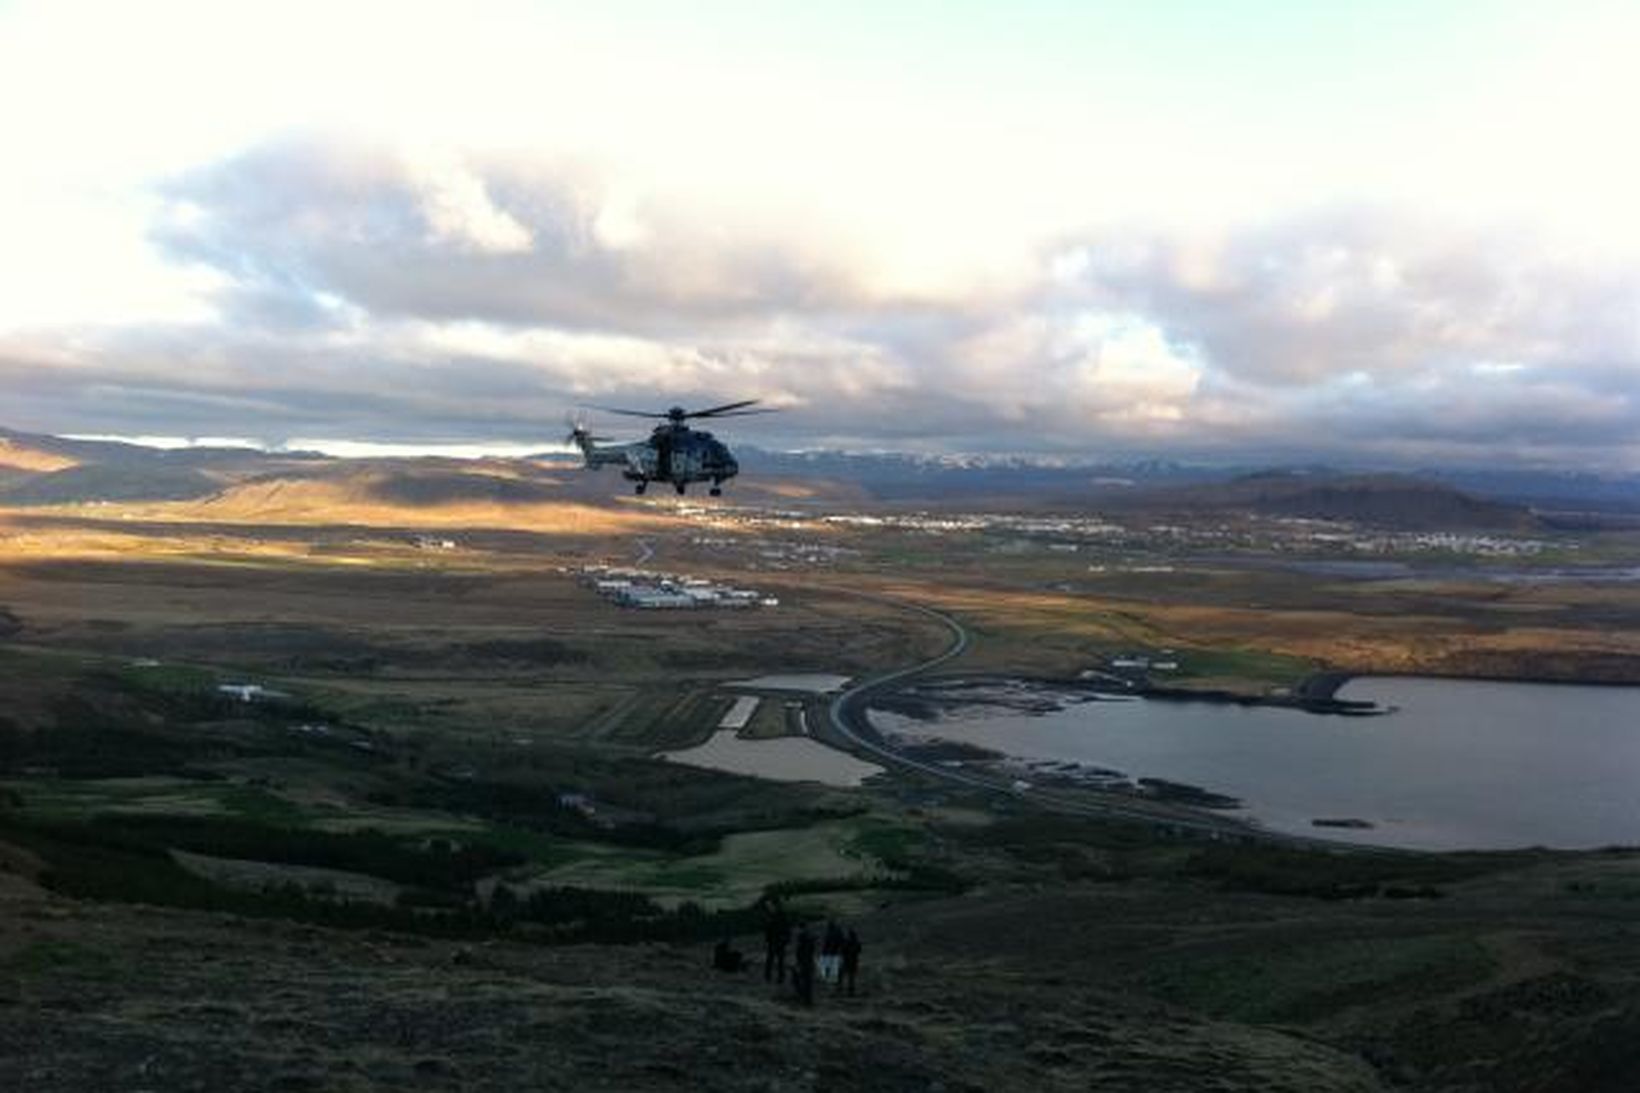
(459, 209)
(416, 218)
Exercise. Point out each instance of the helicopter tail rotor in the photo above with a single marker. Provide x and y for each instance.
(580, 437)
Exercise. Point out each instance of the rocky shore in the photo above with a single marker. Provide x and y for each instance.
(942, 698)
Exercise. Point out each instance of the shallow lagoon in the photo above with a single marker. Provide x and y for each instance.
(1459, 764)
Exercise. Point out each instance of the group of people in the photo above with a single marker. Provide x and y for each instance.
(833, 956)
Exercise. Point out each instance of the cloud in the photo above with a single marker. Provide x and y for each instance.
(1372, 290)
(458, 208)
(396, 291)
(521, 239)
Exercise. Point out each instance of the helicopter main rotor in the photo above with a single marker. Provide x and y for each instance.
(677, 415)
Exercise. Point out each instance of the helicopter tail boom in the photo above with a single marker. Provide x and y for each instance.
(593, 456)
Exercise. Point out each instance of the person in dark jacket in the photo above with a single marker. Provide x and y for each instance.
(851, 959)
(803, 967)
(777, 934)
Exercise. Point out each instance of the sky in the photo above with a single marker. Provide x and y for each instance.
(1377, 233)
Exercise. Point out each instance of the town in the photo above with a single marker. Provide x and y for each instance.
(668, 591)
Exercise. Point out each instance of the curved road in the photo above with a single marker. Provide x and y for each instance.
(847, 715)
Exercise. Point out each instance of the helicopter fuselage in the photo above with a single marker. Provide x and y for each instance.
(673, 453)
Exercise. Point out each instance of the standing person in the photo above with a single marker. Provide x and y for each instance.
(831, 951)
(777, 934)
(851, 959)
(803, 966)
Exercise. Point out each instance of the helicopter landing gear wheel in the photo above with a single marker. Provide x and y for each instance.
(680, 487)
(639, 488)
(716, 491)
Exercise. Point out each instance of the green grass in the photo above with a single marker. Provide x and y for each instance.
(739, 869)
(1325, 874)
(171, 679)
(77, 799)
(691, 875)
(1306, 982)
(886, 842)
(253, 803)
(1250, 664)
(58, 958)
(540, 848)
(659, 720)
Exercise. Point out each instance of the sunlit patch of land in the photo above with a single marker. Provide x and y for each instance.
(303, 503)
(23, 458)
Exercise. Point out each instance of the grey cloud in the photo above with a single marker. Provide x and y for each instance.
(355, 308)
(1371, 290)
(309, 216)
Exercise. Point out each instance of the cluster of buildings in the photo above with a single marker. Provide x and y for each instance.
(1133, 544)
(779, 553)
(1144, 662)
(645, 589)
(1448, 542)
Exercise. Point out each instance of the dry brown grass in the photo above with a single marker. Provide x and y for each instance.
(302, 503)
(1553, 628)
(22, 458)
(333, 530)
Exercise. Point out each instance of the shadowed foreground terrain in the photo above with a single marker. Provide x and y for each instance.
(1505, 984)
(110, 999)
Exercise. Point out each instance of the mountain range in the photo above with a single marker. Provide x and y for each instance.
(38, 470)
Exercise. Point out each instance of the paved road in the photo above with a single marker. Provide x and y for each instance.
(847, 716)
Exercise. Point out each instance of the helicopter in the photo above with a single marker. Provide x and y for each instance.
(673, 453)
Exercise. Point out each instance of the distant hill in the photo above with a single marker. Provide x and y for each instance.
(97, 482)
(1560, 491)
(20, 454)
(899, 477)
(44, 470)
(1070, 482)
(48, 470)
(1383, 500)
(409, 494)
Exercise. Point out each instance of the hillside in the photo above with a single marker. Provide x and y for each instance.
(179, 1000)
(47, 470)
(401, 496)
(945, 480)
(41, 470)
(79, 483)
(1386, 501)
(308, 487)
(18, 454)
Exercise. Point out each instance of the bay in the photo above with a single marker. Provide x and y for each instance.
(1459, 764)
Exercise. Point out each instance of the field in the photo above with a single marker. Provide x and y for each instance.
(444, 801)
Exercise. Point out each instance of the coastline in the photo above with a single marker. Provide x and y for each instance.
(1387, 783)
(1315, 694)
